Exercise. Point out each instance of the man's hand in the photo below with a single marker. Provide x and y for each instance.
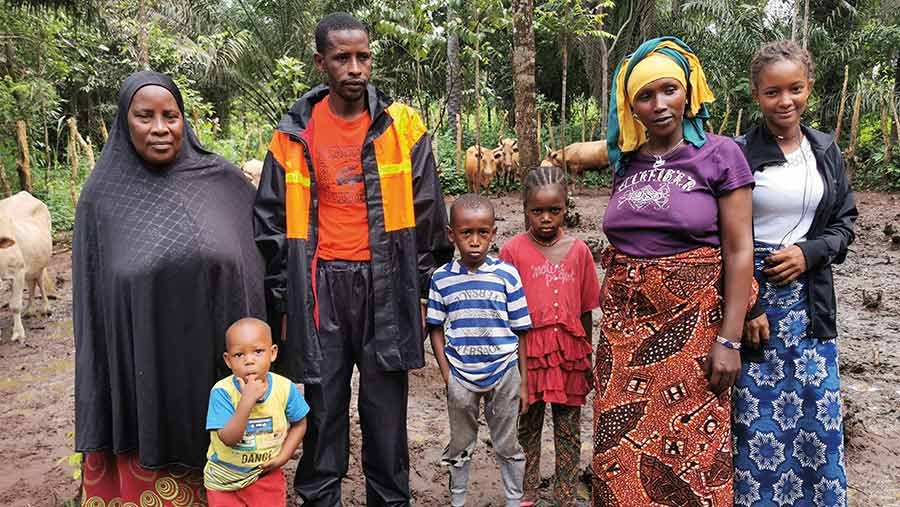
(723, 365)
(756, 332)
(254, 388)
(785, 265)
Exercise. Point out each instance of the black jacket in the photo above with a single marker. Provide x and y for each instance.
(831, 231)
(407, 232)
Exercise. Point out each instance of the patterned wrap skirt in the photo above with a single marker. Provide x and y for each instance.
(118, 480)
(787, 409)
(661, 436)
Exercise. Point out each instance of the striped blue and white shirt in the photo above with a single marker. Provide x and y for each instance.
(481, 313)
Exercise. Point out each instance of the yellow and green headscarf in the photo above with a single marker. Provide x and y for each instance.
(655, 59)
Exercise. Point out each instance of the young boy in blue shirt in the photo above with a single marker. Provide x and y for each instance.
(256, 420)
(476, 312)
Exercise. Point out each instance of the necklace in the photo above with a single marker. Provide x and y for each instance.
(660, 160)
(545, 244)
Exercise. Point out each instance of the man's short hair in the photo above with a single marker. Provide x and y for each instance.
(471, 202)
(333, 22)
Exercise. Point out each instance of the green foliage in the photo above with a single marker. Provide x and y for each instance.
(595, 179)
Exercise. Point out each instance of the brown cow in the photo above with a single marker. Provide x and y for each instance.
(580, 157)
(489, 161)
(508, 167)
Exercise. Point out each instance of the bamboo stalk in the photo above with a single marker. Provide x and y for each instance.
(103, 131)
(23, 164)
(85, 145)
(4, 181)
(843, 103)
(727, 115)
(540, 146)
(886, 131)
(850, 155)
(73, 159)
(737, 126)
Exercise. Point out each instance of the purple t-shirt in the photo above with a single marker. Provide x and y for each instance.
(660, 211)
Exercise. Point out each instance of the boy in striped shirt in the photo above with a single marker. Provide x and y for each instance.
(476, 313)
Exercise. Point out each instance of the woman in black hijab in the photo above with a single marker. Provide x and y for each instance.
(163, 261)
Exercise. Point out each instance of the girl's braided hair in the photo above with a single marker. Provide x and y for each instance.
(543, 176)
(777, 51)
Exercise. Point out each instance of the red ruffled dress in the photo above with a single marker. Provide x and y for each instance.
(559, 355)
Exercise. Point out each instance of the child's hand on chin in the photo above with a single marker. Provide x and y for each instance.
(254, 387)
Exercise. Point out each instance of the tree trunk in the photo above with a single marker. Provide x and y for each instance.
(478, 155)
(143, 44)
(524, 86)
(843, 103)
(795, 19)
(584, 110)
(562, 120)
(23, 164)
(737, 125)
(805, 24)
(604, 89)
(550, 133)
(453, 74)
(540, 146)
(893, 106)
(458, 128)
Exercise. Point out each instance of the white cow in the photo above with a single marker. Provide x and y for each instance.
(26, 245)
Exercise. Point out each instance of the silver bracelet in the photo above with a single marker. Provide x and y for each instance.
(728, 343)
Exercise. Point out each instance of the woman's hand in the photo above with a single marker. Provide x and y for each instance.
(723, 365)
(785, 265)
(756, 332)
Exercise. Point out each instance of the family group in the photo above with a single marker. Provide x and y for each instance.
(713, 372)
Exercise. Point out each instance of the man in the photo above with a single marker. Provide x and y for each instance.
(351, 220)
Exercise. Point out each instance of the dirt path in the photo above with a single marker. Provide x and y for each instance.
(37, 384)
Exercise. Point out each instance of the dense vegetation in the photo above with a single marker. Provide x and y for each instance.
(241, 63)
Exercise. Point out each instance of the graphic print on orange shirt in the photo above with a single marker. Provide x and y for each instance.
(337, 161)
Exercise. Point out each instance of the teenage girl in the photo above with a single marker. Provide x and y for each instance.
(787, 402)
(561, 287)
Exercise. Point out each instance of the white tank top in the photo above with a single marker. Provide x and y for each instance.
(785, 198)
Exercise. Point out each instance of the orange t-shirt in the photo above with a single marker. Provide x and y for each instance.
(337, 161)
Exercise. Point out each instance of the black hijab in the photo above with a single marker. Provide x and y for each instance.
(163, 261)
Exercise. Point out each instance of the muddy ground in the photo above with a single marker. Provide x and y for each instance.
(36, 383)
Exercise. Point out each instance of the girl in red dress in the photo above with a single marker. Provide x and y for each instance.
(561, 287)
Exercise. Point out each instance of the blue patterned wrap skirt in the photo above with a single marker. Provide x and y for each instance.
(786, 418)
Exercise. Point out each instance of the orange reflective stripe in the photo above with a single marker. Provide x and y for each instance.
(392, 153)
(296, 178)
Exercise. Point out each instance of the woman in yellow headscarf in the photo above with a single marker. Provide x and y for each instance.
(678, 283)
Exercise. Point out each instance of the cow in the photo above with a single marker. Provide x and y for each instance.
(508, 168)
(26, 245)
(489, 162)
(580, 157)
(252, 169)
